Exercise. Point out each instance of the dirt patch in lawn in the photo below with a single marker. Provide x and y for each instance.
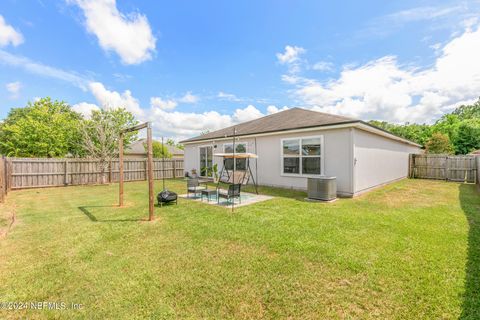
(8, 219)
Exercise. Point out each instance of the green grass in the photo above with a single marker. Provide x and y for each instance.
(410, 250)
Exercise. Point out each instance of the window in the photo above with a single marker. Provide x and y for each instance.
(206, 161)
(302, 156)
(240, 164)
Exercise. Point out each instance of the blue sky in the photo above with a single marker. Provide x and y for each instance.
(189, 66)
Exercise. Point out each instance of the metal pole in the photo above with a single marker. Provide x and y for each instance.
(234, 164)
(120, 168)
(163, 165)
(150, 172)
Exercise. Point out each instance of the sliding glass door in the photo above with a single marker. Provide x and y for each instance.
(206, 161)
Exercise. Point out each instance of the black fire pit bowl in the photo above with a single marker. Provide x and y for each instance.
(166, 197)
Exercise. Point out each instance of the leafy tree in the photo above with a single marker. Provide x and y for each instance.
(44, 128)
(448, 125)
(468, 138)
(419, 133)
(465, 112)
(159, 150)
(439, 143)
(172, 143)
(101, 133)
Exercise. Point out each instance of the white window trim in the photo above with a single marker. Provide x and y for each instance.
(301, 175)
(236, 143)
(199, 171)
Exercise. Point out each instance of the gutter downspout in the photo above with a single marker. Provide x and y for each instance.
(353, 162)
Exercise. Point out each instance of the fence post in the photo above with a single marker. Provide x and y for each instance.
(146, 169)
(2, 179)
(174, 168)
(110, 171)
(65, 181)
(8, 171)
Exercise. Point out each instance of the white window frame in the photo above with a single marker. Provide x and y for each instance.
(236, 143)
(300, 156)
(199, 172)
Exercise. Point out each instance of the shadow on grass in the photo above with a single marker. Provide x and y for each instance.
(85, 210)
(470, 202)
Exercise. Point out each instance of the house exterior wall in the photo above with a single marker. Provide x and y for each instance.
(338, 155)
(379, 160)
(338, 158)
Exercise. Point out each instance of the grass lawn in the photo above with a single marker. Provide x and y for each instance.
(410, 250)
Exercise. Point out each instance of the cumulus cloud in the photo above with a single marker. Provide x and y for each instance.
(8, 35)
(187, 124)
(130, 36)
(246, 114)
(387, 90)
(323, 66)
(85, 108)
(184, 125)
(189, 98)
(113, 99)
(160, 103)
(14, 89)
(290, 55)
(273, 109)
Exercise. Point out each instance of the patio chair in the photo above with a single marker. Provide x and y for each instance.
(232, 193)
(193, 186)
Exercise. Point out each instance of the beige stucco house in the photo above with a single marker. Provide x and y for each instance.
(295, 144)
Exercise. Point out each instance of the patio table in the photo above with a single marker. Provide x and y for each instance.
(207, 193)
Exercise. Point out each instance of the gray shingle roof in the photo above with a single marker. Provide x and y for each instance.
(290, 119)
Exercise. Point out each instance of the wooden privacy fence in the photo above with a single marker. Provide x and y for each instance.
(477, 158)
(441, 167)
(3, 180)
(45, 172)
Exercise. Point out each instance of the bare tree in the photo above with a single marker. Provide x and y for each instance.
(100, 136)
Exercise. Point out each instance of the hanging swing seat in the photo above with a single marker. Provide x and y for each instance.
(237, 176)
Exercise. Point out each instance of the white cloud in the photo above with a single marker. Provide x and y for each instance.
(273, 109)
(422, 13)
(228, 97)
(385, 89)
(187, 124)
(184, 125)
(291, 54)
(8, 35)
(113, 99)
(43, 70)
(323, 66)
(247, 114)
(85, 108)
(438, 17)
(14, 89)
(189, 98)
(163, 104)
(130, 36)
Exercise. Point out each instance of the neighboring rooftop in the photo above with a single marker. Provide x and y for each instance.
(295, 118)
(138, 148)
